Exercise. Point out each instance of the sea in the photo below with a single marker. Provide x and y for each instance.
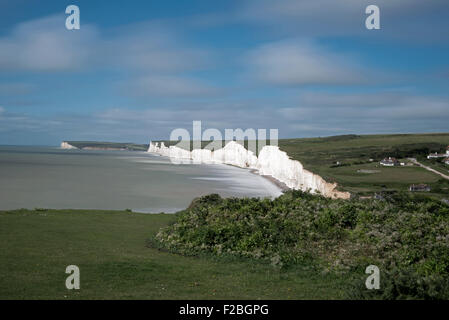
(54, 178)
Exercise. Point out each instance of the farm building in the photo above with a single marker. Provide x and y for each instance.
(436, 155)
(390, 162)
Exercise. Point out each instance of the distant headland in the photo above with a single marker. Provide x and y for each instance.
(98, 145)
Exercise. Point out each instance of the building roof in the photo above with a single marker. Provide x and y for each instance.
(389, 159)
(420, 186)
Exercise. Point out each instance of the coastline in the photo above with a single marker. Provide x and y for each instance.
(271, 162)
(282, 186)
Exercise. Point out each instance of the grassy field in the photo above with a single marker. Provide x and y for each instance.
(115, 262)
(373, 177)
(436, 164)
(354, 152)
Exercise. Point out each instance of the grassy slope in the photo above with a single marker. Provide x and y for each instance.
(319, 154)
(115, 263)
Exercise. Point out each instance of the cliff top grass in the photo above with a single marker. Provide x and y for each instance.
(111, 249)
(358, 153)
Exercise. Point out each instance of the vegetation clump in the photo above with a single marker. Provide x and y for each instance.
(406, 236)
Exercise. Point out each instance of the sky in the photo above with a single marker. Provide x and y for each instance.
(137, 70)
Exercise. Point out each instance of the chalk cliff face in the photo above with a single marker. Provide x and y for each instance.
(201, 156)
(235, 154)
(65, 145)
(271, 161)
(276, 163)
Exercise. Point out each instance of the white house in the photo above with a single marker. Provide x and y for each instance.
(436, 155)
(390, 162)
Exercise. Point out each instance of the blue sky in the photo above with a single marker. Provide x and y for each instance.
(136, 70)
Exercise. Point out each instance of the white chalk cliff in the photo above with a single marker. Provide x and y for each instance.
(271, 162)
(65, 145)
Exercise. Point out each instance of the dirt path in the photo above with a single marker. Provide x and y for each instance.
(430, 169)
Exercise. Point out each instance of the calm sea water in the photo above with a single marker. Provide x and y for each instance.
(45, 177)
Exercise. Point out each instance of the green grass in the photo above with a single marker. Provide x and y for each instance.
(319, 155)
(115, 262)
(437, 165)
(392, 178)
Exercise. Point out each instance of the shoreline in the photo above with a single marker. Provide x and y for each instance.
(277, 183)
(282, 186)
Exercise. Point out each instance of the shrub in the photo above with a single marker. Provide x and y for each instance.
(406, 236)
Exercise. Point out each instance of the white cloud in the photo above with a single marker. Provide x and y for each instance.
(402, 19)
(396, 111)
(301, 63)
(155, 50)
(314, 114)
(45, 45)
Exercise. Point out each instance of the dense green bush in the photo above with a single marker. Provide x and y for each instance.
(404, 283)
(409, 150)
(407, 237)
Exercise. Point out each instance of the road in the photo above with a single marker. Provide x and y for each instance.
(429, 168)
